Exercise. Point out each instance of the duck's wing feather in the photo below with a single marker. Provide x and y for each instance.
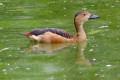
(53, 30)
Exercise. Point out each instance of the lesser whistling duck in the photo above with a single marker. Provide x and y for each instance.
(58, 35)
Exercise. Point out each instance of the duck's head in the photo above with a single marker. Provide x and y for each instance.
(84, 16)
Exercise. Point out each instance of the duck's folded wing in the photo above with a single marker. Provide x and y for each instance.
(60, 32)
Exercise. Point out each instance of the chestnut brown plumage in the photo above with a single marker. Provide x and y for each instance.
(60, 32)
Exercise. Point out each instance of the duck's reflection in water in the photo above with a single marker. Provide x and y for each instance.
(49, 47)
(80, 59)
(55, 47)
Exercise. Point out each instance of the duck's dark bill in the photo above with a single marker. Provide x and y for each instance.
(93, 17)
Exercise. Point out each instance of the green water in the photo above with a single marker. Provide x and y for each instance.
(96, 59)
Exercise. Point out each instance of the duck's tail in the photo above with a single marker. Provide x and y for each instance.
(26, 34)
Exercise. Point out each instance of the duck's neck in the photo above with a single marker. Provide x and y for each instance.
(81, 36)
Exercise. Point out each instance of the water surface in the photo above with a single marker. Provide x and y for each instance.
(96, 59)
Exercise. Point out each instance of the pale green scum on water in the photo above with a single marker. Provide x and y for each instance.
(98, 59)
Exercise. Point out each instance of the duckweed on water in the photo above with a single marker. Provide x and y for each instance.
(96, 59)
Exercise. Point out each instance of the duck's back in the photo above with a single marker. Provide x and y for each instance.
(59, 32)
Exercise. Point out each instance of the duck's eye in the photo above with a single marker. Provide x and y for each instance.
(84, 14)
